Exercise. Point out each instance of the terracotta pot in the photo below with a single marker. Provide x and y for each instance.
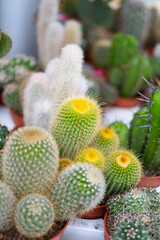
(17, 119)
(106, 236)
(126, 102)
(97, 212)
(59, 235)
(149, 182)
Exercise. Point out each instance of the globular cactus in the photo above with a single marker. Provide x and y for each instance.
(5, 44)
(155, 226)
(30, 161)
(93, 156)
(122, 171)
(3, 135)
(64, 162)
(123, 133)
(34, 216)
(100, 52)
(106, 140)
(75, 125)
(7, 207)
(79, 188)
(131, 230)
(11, 97)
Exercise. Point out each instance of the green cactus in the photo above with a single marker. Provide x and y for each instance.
(26, 62)
(34, 216)
(115, 77)
(155, 225)
(79, 188)
(94, 90)
(155, 67)
(139, 130)
(106, 140)
(30, 161)
(122, 171)
(131, 230)
(3, 135)
(69, 7)
(5, 44)
(108, 94)
(7, 206)
(76, 125)
(123, 133)
(124, 47)
(1, 154)
(11, 97)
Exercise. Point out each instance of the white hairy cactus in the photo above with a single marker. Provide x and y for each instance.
(72, 33)
(51, 68)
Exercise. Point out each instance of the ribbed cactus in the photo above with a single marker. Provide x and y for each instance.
(30, 161)
(122, 171)
(7, 207)
(79, 188)
(5, 44)
(123, 133)
(3, 135)
(75, 125)
(34, 216)
(106, 140)
(93, 156)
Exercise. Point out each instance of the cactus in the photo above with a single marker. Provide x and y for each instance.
(11, 97)
(30, 161)
(122, 131)
(34, 216)
(108, 93)
(27, 62)
(64, 162)
(122, 171)
(131, 230)
(115, 77)
(3, 135)
(155, 67)
(93, 156)
(5, 44)
(69, 7)
(75, 125)
(79, 188)
(1, 154)
(106, 140)
(100, 52)
(155, 226)
(7, 206)
(123, 48)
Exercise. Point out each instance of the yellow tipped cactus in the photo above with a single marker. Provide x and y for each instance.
(122, 171)
(64, 162)
(76, 125)
(106, 140)
(91, 155)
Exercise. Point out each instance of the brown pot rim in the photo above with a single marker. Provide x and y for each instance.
(95, 213)
(126, 102)
(149, 182)
(106, 236)
(59, 235)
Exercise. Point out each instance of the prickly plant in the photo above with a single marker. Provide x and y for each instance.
(106, 140)
(79, 188)
(1, 154)
(5, 44)
(3, 135)
(93, 156)
(30, 161)
(123, 133)
(26, 62)
(64, 162)
(122, 171)
(155, 66)
(7, 206)
(69, 7)
(75, 125)
(34, 216)
(115, 76)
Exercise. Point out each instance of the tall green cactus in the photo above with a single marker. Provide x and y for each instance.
(5, 44)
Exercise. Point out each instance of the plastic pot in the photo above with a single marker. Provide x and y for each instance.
(149, 182)
(59, 235)
(17, 119)
(97, 212)
(106, 236)
(126, 102)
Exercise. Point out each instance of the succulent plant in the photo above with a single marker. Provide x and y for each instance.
(75, 125)
(34, 216)
(64, 162)
(3, 135)
(5, 44)
(7, 206)
(122, 171)
(30, 161)
(79, 188)
(69, 7)
(115, 76)
(155, 66)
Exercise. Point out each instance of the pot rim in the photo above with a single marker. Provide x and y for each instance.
(61, 232)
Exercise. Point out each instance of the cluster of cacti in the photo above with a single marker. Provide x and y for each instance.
(52, 34)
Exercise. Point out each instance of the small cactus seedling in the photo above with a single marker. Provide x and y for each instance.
(122, 171)
(78, 189)
(91, 155)
(3, 135)
(7, 206)
(30, 160)
(34, 216)
(5, 44)
(75, 125)
(106, 140)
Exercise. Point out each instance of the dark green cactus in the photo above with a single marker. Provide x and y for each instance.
(155, 67)
(123, 132)
(115, 76)
(5, 44)
(108, 93)
(69, 7)
(3, 135)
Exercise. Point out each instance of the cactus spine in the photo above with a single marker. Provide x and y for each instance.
(30, 161)
(79, 188)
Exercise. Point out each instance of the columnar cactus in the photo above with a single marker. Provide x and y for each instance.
(122, 171)
(34, 216)
(7, 207)
(30, 161)
(75, 125)
(79, 188)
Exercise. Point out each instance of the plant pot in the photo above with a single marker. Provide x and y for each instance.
(59, 235)
(126, 102)
(97, 212)
(106, 236)
(17, 119)
(149, 182)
